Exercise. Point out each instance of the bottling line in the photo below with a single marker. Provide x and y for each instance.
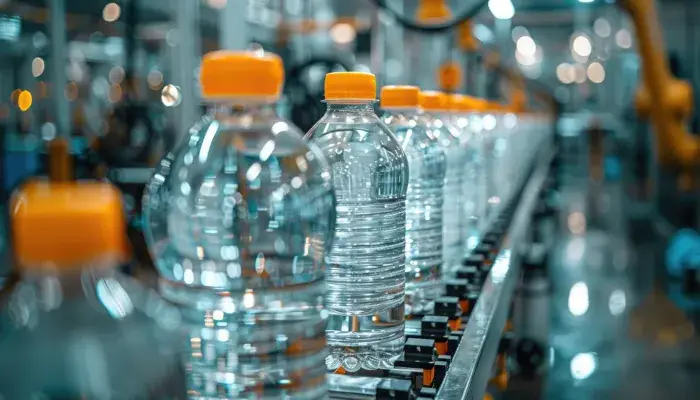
(371, 199)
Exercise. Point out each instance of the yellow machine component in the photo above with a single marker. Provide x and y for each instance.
(666, 100)
(432, 11)
(449, 76)
(465, 37)
(680, 98)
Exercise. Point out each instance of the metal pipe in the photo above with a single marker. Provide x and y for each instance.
(57, 26)
(233, 27)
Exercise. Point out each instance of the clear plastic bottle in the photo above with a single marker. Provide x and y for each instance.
(366, 265)
(493, 148)
(424, 199)
(238, 219)
(437, 118)
(72, 326)
(467, 120)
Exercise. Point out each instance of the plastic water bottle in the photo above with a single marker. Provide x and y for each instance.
(72, 326)
(493, 147)
(426, 161)
(238, 219)
(467, 120)
(366, 265)
(437, 118)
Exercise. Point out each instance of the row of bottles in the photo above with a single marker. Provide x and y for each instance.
(282, 256)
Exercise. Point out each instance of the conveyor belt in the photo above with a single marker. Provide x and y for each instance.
(450, 353)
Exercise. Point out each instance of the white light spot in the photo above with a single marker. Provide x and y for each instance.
(170, 96)
(185, 188)
(501, 9)
(596, 72)
(581, 46)
(111, 12)
(526, 46)
(227, 305)
(279, 127)
(37, 67)
(267, 150)
(189, 276)
(296, 182)
(249, 299)
(342, 33)
(177, 271)
(583, 365)
(566, 73)
(489, 122)
(578, 299)
(253, 172)
(115, 299)
(222, 335)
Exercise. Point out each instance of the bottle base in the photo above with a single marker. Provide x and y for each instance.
(351, 359)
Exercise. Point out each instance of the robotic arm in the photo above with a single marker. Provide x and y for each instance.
(666, 100)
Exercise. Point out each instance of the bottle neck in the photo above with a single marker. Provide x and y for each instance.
(356, 107)
(222, 110)
(70, 283)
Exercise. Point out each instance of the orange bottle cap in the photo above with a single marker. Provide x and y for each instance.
(350, 86)
(67, 224)
(400, 97)
(433, 101)
(432, 11)
(463, 103)
(226, 74)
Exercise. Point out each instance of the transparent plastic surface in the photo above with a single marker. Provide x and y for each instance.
(494, 146)
(424, 200)
(453, 216)
(475, 196)
(366, 265)
(238, 220)
(87, 333)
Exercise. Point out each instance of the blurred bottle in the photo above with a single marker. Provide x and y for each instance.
(437, 118)
(72, 326)
(238, 219)
(366, 265)
(467, 119)
(494, 149)
(424, 199)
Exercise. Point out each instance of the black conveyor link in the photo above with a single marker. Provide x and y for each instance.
(394, 389)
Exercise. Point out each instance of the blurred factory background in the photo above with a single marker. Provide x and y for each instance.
(118, 79)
